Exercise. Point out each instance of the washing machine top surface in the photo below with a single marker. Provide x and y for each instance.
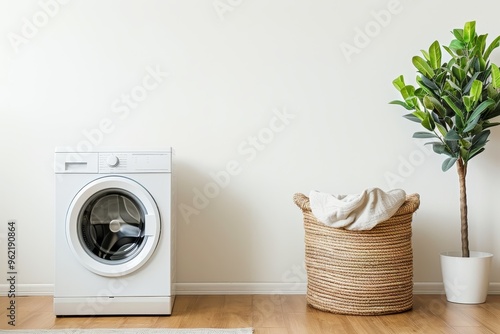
(62, 149)
(113, 161)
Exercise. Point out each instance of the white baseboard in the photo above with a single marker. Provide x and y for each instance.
(240, 288)
(432, 288)
(419, 288)
(436, 288)
(28, 290)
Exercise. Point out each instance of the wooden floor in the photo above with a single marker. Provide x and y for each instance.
(272, 314)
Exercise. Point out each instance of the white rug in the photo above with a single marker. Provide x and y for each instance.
(135, 331)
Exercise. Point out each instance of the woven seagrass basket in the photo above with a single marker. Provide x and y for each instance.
(360, 272)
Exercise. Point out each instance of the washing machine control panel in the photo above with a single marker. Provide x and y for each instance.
(130, 162)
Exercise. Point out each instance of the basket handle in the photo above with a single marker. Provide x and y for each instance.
(302, 201)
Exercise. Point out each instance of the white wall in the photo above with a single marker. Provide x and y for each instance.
(224, 70)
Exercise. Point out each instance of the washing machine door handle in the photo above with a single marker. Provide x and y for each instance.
(150, 228)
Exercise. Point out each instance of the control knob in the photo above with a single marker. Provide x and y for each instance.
(113, 161)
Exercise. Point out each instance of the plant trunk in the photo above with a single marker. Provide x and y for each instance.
(462, 173)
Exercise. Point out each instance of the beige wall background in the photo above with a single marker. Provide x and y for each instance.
(260, 99)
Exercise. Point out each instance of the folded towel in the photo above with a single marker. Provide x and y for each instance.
(356, 212)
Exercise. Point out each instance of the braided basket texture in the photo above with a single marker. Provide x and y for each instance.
(360, 272)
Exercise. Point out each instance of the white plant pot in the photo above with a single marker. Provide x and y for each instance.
(466, 279)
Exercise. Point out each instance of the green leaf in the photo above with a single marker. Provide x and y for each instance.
(469, 31)
(408, 92)
(464, 153)
(478, 143)
(453, 106)
(422, 134)
(459, 123)
(450, 51)
(482, 63)
(493, 46)
(441, 76)
(435, 55)
(473, 153)
(456, 45)
(452, 148)
(439, 148)
(425, 54)
(471, 81)
(475, 90)
(399, 82)
(422, 66)
(413, 118)
(452, 135)
(470, 124)
(465, 143)
(428, 102)
(423, 90)
(481, 44)
(430, 84)
(480, 139)
(486, 125)
(448, 163)
(495, 76)
(459, 34)
(454, 86)
(419, 114)
(441, 129)
(459, 73)
(481, 108)
(468, 102)
(401, 103)
(428, 122)
(438, 107)
(494, 111)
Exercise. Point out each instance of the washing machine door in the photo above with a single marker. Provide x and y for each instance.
(113, 226)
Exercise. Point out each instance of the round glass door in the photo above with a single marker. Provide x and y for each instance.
(113, 226)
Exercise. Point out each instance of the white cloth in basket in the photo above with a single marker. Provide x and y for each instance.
(356, 212)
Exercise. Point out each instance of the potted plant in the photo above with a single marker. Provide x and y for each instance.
(455, 102)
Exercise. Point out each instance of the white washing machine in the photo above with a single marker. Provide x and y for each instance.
(114, 233)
